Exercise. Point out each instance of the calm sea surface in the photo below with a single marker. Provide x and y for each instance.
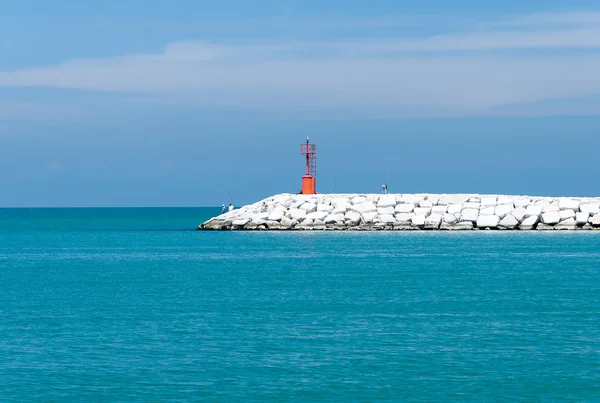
(133, 305)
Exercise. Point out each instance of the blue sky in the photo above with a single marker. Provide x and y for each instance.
(178, 103)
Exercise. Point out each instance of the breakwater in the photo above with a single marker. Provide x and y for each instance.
(411, 212)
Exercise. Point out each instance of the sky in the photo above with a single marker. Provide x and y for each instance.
(197, 103)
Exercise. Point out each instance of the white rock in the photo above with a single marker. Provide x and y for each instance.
(387, 218)
(485, 221)
(454, 208)
(591, 208)
(418, 220)
(533, 211)
(595, 220)
(365, 207)
(297, 214)
(469, 214)
(334, 218)
(568, 204)
(551, 217)
(447, 200)
(285, 222)
(240, 221)
(425, 203)
(518, 213)
(433, 221)
(582, 218)
(509, 221)
(569, 223)
(309, 207)
(552, 207)
(340, 208)
(465, 225)
(488, 201)
(487, 210)
(439, 209)
(405, 208)
(503, 200)
(358, 200)
(424, 211)
(324, 207)
(385, 211)
(317, 215)
(404, 217)
(471, 205)
(264, 216)
(409, 199)
(387, 201)
(369, 217)
(450, 218)
(529, 222)
(433, 199)
(276, 215)
(564, 214)
(305, 224)
(522, 202)
(352, 217)
(503, 209)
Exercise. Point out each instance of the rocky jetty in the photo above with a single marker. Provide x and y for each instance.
(411, 212)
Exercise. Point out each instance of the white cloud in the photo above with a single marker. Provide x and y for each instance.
(443, 74)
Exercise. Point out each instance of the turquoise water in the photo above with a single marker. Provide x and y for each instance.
(133, 305)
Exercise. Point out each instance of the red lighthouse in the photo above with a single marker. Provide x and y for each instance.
(308, 180)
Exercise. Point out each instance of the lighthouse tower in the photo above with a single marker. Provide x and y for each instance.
(308, 180)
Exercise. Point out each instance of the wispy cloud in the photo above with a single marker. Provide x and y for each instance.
(521, 63)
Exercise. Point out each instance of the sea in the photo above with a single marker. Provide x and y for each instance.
(124, 305)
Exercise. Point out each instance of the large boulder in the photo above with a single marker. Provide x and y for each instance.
(451, 218)
(504, 200)
(549, 208)
(317, 215)
(240, 222)
(352, 217)
(564, 214)
(365, 207)
(358, 200)
(385, 211)
(533, 210)
(297, 214)
(369, 217)
(447, 200)
(387, 201)
(529, 222)
(424, 211)
(518, 213)
(425, 203)
(582, 218)
(471, 205)
(551, 217)
(308, 207)
(418, 220)
(568, 224)
(439, 209)
(334, 218)
(433, 221)
(522, 202)
(469, 215)
(590, 208)
(568, 204)
(386, 218)
(487, 201)
(595, 220)
(276, 215)
(324, 207)
(503, 209)
(509, 222)
(454, 208)
(488, 221)
(405, 208)
(404, 217)
(463, 226)
(487, 210)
